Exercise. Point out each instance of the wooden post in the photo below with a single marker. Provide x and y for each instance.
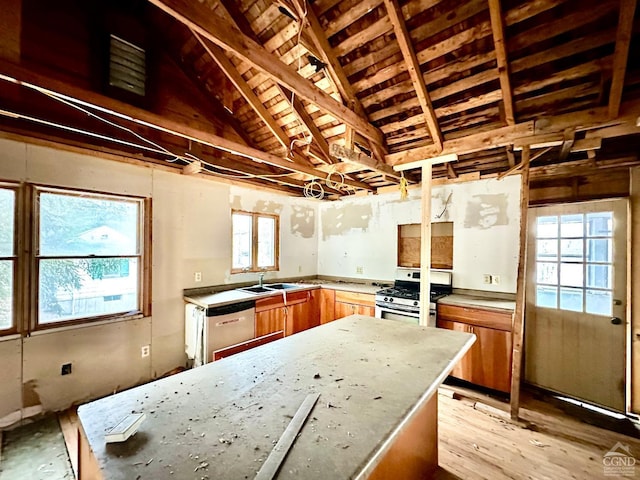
(518, 316)
(425, 244)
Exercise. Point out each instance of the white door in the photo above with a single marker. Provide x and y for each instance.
(576, 301)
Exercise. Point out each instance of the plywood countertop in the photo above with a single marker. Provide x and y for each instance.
(221, 420)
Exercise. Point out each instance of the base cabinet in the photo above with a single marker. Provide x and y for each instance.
(351, 303)
(488, 362)
(300, 312)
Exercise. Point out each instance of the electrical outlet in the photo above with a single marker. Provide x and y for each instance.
(66, 369)
(487, 278)
(360, 270)
(144, 351)
(197, 276)
(495, 279)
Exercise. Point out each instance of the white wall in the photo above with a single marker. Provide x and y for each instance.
(362, 232)
(191, 225)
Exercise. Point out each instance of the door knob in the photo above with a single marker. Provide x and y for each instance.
(616, 321)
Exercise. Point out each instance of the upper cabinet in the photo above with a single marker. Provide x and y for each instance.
(441, 245)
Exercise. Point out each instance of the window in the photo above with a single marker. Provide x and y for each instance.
(7, 257)
(255, 242)
(88, 255)
(574, 262)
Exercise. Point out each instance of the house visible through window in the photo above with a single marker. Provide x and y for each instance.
(255, 241)
(89, 255)
(7, 257)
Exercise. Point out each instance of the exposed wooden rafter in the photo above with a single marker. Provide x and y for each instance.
(409, 55)
(621, 55)
(141, 117)
(230, 9)
(497, 26)
(216, 29)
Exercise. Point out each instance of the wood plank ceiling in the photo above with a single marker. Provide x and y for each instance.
(346, 89)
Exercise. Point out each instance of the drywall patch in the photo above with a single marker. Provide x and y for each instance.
(303, 221)
(486, 211)
(265, 206)
(236, 202)
(339, 219)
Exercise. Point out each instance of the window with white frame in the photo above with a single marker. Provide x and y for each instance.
(255, 241)
(88, 255)
(8, 257)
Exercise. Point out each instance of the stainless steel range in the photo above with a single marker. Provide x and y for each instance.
(402, 301)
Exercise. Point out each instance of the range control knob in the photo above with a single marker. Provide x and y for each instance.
(415, 304)
(386, 299)
(391, 300)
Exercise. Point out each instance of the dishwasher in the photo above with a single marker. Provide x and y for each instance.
(214, 328)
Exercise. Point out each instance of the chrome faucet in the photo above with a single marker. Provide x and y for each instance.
(261, 278)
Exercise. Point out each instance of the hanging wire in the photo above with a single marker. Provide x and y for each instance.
(339, 185)
(314, 189)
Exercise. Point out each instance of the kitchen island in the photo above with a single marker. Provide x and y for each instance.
(376, 416)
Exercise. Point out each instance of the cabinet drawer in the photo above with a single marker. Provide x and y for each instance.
(355, 297)
(475, 316)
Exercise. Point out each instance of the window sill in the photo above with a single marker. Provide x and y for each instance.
(9, 337)
(97, 323)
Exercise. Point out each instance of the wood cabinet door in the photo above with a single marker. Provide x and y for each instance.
(270, 321)
(492, 358)
(327, 305)
(464, 369)
(365, 310)
(344, 310)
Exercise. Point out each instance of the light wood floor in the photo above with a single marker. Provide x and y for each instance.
(547, 444)
(475, 444)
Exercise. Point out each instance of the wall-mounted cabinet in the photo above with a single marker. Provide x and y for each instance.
(409, 236)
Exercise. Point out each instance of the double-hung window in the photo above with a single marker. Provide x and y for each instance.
(8, 258)
(88, 255)
(255, 241)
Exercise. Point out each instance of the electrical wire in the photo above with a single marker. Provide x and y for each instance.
(314, 189)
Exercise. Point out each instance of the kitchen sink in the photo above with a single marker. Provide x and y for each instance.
(281, 286)
(256, 289)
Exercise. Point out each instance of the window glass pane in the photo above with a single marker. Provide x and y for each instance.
(571, 274)
(546, 296)
(571, 250)
(599, 250)
(7, 221)
(599, 276)
(600, 224)
(242, 227)
(571, 225)
(81, 288)
(6, 294)
(77, 226)
(571, 299)
(547, 227)
(547, 273)
(266, 241)
(547, 249)
(599, 302)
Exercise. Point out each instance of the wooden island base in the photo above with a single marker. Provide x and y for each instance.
(376, 417)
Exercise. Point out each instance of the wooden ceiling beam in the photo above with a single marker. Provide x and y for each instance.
(230, 8)
(409, 54)
(215, 28)
(526, 133)
(497, 27)
(138, 116)
(621, 54)
(567, 143)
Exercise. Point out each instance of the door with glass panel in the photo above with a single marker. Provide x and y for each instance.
(576, 324)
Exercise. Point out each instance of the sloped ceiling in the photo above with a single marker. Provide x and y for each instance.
(351, 89)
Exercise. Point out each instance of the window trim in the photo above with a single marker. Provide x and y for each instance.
(254, 242)
(15, 258)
